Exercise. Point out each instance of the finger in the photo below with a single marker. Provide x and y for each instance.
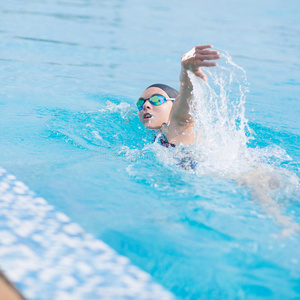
(199, 73)
(201, 47)
(208, 52)
(201, 63)
(207, 57)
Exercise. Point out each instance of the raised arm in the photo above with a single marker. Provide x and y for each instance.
(180, 127)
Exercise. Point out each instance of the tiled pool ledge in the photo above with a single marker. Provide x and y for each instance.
(47, 256)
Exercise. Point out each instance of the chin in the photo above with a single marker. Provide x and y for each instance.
(151, 126)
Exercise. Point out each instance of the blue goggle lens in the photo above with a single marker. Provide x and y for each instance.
(154, 100)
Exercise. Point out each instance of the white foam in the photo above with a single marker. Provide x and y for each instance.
(221, 145)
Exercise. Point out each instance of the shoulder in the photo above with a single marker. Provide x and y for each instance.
(177, 134)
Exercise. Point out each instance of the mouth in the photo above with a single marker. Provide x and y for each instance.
(147, 116)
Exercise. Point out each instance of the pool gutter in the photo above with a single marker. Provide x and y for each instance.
(49, 257)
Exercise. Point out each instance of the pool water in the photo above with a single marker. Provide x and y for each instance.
(227, 229)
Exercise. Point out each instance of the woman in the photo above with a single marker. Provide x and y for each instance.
(161, 105)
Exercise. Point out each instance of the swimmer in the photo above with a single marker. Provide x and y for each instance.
(164, 109)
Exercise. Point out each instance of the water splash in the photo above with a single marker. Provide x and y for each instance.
(218, 109)
(113, 127)
(222, 136)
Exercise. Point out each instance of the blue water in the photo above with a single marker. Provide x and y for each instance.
(209, 234)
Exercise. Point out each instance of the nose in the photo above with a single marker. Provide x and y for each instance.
(147, 104)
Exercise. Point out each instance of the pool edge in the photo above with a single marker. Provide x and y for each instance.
(30, 247)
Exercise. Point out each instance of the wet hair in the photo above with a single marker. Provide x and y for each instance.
(172, 93)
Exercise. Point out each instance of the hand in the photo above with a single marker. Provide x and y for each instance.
(197, 58)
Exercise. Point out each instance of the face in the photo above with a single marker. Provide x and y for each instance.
(152, 116)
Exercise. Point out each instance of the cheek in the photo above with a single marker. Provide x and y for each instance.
(140, 114)
(165, 111)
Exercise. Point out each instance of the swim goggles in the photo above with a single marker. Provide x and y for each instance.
(154, 100)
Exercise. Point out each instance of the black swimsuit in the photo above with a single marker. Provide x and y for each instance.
(187, 162)
(162, 139)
